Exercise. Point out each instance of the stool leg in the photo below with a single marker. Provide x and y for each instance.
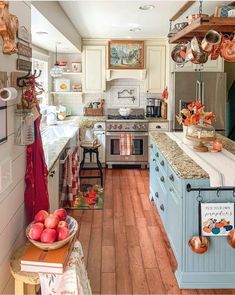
(31, 289)
(99, 167)
(19, 287)
(82, 163)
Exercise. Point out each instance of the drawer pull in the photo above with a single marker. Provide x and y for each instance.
(51, 174)
(154, 160)
(158, 127)
(162, 207)
(162, 178)
(157, 154)
(156, 168)
(162, 163)
(156, 195)
(171, 177)
(151, 145)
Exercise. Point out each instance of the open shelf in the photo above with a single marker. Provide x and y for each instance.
(72, 73)
(67, 92)
(203, 24)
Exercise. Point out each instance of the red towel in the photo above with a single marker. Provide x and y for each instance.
(125, 144)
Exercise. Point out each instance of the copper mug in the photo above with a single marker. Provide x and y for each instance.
(211, 38)
(199, 244)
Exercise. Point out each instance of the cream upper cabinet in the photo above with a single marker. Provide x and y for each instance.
(94, 69)
(156, 68)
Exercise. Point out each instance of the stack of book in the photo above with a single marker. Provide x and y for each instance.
(41, 261)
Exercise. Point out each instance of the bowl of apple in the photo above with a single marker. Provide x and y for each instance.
(51, 231)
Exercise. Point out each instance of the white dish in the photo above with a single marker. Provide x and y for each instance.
(124, 112)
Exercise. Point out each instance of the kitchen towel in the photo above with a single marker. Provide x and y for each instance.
(125, 144)
(220, 166)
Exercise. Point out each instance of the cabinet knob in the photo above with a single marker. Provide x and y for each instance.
(162, 207)
(162, 163)
(171, 189)
(157, 154)
(157, 168)
(162, 178)
(154, 160)
(171, 177)
(158, 127)
(156, 195)
(151, 145)
(51, 174)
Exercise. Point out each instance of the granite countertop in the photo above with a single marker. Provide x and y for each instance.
(94, 118)
(155, 119)
(182, 164)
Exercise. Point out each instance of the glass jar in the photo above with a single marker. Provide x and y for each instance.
(201, 131)
(24, 127)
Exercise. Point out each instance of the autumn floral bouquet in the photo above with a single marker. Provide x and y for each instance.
(195, 114)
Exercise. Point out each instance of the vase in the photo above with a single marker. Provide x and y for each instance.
(86, 135)
(24, 127)
(185, 131)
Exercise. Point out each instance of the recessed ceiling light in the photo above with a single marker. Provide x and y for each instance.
(135, 29)
(147, 7)
(42, 33)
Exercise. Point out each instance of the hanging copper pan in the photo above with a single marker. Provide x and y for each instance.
(211, 39)
(228, 49)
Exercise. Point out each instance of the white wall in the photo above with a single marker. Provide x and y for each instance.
(12, 215)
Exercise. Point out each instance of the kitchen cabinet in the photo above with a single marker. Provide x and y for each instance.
(94, 69)
(53, 186)
(156, 69)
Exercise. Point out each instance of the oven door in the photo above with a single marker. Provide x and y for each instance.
(139, 151)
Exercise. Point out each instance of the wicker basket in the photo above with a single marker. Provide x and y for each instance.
(93, 112)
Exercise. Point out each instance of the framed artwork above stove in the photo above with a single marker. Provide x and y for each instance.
(125, 96)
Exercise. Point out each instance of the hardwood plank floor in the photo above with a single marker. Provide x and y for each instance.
(126, 249)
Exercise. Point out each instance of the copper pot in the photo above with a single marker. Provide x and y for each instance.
(199, 244)
(178, 53)
(228, 50)
(193, 17)
(211, 38)
(231, 238)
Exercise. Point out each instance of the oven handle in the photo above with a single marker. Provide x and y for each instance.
(132, 133)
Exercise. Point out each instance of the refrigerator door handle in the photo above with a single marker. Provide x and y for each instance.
(203, 92)
(198, 91)
(180, 104)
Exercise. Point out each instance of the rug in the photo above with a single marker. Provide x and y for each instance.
(90, 197)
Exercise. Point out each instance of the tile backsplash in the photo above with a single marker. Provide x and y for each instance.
(119, 93)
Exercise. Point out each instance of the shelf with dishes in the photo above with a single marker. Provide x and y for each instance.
(78, 93)
(201, 25)
(72, 73)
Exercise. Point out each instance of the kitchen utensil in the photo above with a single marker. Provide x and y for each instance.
(228, 49)
(73, 226)
(196, 54)
(178, 53)
(211, 38)
(231, 238)
(124, 112)
(180, 26)
(191, 18)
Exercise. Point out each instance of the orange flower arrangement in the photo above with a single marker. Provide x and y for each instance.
(195, 114)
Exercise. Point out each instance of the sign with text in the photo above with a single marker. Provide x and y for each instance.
(217, 219)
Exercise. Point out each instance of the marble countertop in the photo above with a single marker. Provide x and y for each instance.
(182, 164)
(155, 119)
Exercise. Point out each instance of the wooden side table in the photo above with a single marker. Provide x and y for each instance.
(25, 282)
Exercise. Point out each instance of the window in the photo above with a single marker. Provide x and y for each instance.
(42, 65)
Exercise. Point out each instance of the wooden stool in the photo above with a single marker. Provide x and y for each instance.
(30, 279)
(87, 149)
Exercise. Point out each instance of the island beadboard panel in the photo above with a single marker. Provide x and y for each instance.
(170, 171)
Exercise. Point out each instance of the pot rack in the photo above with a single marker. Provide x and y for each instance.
(201, 25)
(189, 188)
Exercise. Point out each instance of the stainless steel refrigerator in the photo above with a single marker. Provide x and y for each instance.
(209, 88)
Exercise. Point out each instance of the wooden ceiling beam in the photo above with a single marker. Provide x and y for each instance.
(182, 10)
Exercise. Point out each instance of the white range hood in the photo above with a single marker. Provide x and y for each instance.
(126, 74)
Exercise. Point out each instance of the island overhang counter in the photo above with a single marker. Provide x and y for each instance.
(171, 170)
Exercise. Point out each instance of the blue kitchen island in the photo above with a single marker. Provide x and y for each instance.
(171, 171)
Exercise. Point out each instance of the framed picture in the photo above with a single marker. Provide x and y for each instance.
(76, 67)
(217, 219)
(126, 54)
(24, 34)
(61, 85)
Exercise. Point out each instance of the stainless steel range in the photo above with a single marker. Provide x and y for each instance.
(133, 127)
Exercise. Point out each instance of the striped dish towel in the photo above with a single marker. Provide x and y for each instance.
(125, 144)
(70, 185)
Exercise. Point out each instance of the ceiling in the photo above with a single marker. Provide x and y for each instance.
(48, 41)
(114, 19)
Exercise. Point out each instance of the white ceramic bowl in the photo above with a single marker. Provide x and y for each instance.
(73, 226)
(124, 112)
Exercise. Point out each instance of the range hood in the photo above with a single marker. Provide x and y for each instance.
(126, 74)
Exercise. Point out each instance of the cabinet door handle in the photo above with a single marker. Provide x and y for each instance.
(156, 195)
(151, 145)
(157, 154)
(154, 160)
(171, 177)
(162, 207)
(162, 178)
(162, 163)
(157, 168)
(158, 127)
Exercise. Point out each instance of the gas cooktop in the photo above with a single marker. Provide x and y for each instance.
(130, 117)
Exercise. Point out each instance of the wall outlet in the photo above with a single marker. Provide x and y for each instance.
(5, 174)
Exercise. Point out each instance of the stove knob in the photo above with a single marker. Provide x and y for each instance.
(120, 126)
(134, 127)
(115, 127)
(110, 126)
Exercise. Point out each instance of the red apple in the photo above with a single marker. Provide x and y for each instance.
(41, 216)
(40, 224)
(62, 224)
(35, 231)
(61, 213)
(48, 235)
(62, 233)
(51, 221)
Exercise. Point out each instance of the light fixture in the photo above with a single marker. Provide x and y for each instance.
(147, 7)
(135, 29)
(42, 33)
(56, 71)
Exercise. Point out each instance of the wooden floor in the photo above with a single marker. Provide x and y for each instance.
(125, 246)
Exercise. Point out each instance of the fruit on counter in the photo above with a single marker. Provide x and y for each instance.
(41, 216)
(48, 235)
(62, 233)
(36, 231)
(40, 224)
(51, 221)
(61, 213)
(62, 223)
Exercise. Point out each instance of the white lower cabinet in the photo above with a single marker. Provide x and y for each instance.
(53, 186)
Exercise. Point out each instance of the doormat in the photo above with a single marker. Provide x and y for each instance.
(90, 197)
